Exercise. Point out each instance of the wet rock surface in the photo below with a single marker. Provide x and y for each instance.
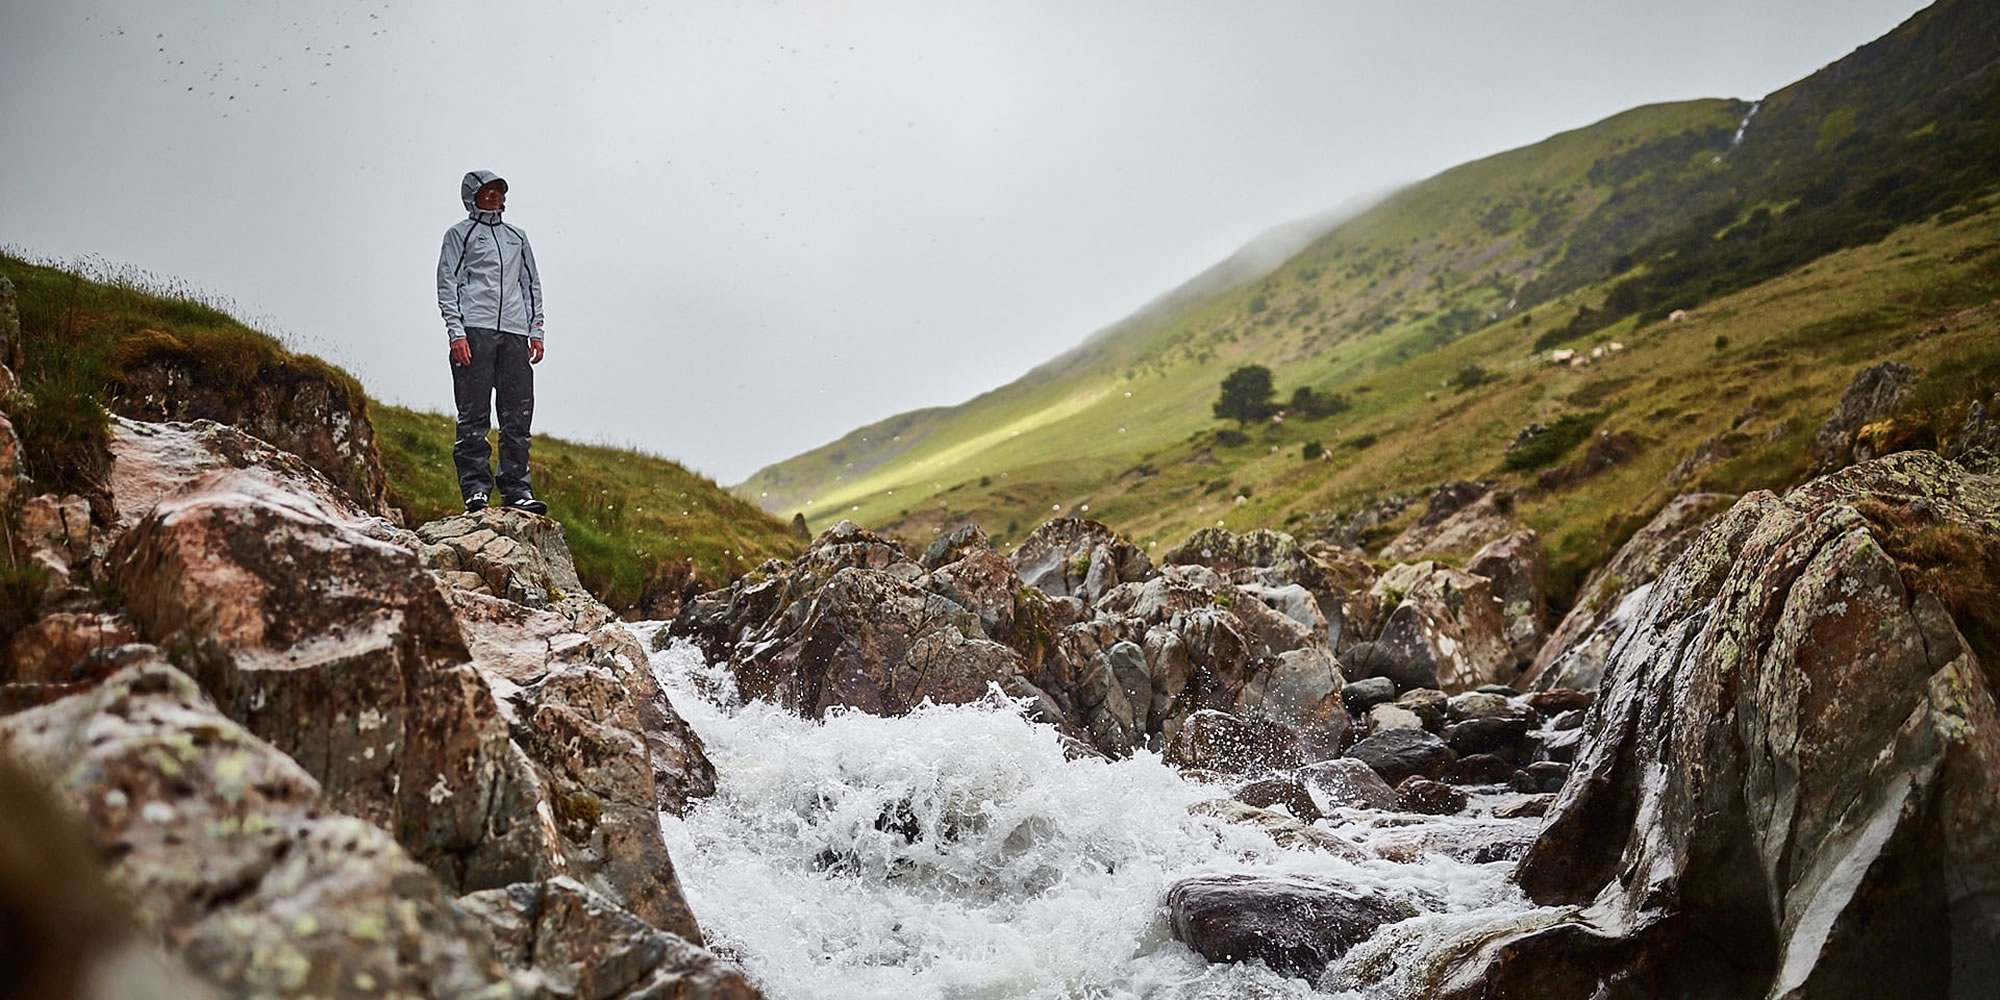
(1294, 925)
(1798, 707)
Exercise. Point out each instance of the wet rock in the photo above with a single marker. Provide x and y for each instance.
(1607, 601)
(1549, 775)
(1875, 394)
(226, 851)
(1798, 709)
(49, 650)
(1486, 705)
(1217, 741)
(1480, 769)
(522, 557)
(1448, 621)
(1430, 798)
(1347, 783)
(303, 410)
(1518, 572)
(1075, 556)
(1492, 735)
(1397, 754)
(55, 532)
(576, 943)
(1555, 701)
(1385, 717)
(1430, 705)
(1529, 807)
(1405, 668)
(1283, 828)
(1368, 692)
(1288, 791)
(1295, 925)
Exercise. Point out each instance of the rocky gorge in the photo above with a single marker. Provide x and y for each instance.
(262, 740)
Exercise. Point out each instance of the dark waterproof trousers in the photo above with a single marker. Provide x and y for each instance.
(499, 370)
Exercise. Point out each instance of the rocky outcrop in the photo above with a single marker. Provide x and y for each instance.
(1612, 593)
(1448, 630)
(855, 623)
(1874, 395)
(298, 405)
(1075, 556)
(1321, 586)
(229, 855)
(1786, 787)
(331, 640)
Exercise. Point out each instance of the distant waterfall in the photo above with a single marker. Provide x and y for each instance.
(1744, 126)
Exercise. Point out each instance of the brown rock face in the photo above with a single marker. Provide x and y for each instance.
(1448, 620)
(224, 847)
(1518, 571)
(150, 462)
(342, 650)
(1075, 556)
(1787, 785)
(1461, 529)
(300, 409)
(1874, 395)
(1586, 634)
(876, 642)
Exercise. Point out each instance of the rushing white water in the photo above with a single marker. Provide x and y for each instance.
(957, 853)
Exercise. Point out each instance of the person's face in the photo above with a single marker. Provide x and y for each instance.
(491, 198)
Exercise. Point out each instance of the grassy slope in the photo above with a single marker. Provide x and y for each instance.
(1354, 297)
(1387, 307)
(628, 515)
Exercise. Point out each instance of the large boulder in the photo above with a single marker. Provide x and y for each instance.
(1600, 613)
(873, 641)
(1875, 394)
(1518, 572)
(228, 853)
(1448, 621)
(1787, 785)
(1080, 557)
(151, 462)
(1399, 753)
(1275, 568)
(1294, 924)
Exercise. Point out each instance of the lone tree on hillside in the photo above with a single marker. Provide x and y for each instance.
(1246, 395)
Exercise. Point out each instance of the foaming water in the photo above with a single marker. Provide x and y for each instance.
(957, 853)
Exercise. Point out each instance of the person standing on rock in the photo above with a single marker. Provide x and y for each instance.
(491, 296)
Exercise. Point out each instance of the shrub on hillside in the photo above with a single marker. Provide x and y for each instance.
(1551, 443)
(1313, 450)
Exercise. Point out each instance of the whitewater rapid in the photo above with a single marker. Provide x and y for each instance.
(957, 853)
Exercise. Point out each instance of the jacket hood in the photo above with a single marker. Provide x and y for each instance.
(473, 182)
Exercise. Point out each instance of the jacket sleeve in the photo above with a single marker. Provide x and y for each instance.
(447, 284)
(534, 288)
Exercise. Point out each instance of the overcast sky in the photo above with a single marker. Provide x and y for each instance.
(763, 224)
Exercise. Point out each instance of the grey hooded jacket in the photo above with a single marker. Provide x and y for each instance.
(486, 274)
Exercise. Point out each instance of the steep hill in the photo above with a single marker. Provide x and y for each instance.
(1593, 235)
(639, 525)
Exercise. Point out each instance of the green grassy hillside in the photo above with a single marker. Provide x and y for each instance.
(637, 523)
(1473, 277)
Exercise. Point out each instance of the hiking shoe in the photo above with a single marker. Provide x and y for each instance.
(529, 504)
(475, 503)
